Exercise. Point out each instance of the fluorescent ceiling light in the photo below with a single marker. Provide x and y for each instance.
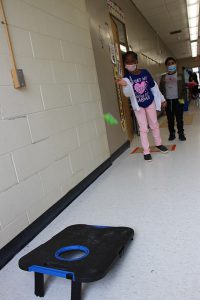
(194, 49)
(193, 44)
(193, 22)
(194, 30)
(193, 37)
(193, 33)
(193, 10)
(189, 2)
(194, 52)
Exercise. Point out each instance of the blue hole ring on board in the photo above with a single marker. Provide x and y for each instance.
(85, 252)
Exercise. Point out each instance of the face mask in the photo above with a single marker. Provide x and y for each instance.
(131, 68)
(172, 68)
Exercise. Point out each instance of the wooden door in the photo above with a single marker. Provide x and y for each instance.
(118, 70)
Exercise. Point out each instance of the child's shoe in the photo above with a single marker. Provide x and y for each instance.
(182, 137)
(148, 157)
(171, 137)
(162, 149)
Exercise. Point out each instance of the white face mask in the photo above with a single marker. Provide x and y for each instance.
(131, 68)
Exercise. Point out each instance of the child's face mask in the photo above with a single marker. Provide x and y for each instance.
(131, 68)
(171, 68)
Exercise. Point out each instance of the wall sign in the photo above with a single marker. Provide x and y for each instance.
(113, 53)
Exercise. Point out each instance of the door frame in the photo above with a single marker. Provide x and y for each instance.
(127, 121)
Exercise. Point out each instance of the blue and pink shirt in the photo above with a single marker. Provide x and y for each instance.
(142, 84)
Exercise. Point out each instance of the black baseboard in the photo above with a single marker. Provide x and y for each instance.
(22, 239)
(119, 151)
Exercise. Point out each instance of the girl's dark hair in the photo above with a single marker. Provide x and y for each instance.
(130, 53)
(169, 58)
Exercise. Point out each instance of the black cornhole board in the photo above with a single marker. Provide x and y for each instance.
(100, 245)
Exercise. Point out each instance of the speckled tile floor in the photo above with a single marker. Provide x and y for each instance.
(161, 201)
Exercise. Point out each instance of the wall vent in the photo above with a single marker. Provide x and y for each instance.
(176, 31)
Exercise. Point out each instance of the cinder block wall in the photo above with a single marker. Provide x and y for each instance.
(51, 133)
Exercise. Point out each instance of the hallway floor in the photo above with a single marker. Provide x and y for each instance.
(161, 202)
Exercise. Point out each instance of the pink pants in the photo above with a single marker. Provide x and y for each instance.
(144, 117)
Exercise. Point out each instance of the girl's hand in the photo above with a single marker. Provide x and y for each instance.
(164, 104)
(121, 82)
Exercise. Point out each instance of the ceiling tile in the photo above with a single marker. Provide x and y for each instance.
(166, 16)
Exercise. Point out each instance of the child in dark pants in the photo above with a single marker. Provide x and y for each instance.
(173, 89)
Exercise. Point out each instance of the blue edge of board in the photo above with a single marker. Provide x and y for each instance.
(52, 272)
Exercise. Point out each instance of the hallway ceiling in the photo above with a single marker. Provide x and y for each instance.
(166, 16)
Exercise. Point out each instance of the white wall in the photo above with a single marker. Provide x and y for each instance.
(51, 133)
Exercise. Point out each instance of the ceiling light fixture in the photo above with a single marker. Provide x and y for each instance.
(193, 20)
(194, 49)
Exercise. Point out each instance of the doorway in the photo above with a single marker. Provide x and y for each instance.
(127, 116)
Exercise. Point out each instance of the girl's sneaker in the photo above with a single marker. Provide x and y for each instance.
(162, 149)
(148, 157)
